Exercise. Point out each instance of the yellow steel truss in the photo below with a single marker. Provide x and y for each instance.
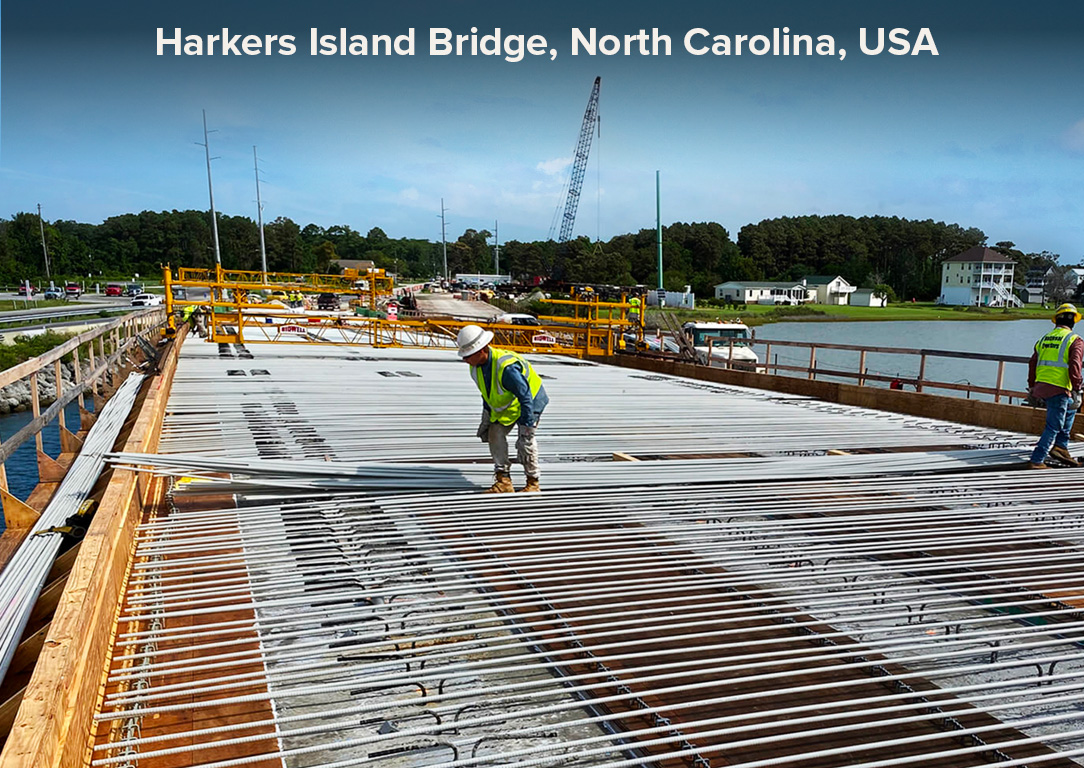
(594, 328)
(240, 285)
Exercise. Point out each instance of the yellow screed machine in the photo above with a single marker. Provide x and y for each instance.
(236, 312)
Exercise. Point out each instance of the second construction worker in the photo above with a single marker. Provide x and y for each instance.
(512, 396)
(1054, 375)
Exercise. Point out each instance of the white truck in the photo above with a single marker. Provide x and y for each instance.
(728, 342)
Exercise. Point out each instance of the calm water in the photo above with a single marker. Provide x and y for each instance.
(1013, 337)
(22, 467)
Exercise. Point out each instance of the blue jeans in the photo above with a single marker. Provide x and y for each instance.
(1059, 420)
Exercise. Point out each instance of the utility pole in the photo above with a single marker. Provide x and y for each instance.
(658, 232)
(259, 215)
(44, 250)
(443, 239)
(496, 250)
(210, 190)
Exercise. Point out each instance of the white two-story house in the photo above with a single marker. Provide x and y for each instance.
(978, 277)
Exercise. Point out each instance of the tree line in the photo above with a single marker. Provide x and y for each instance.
(900, 254)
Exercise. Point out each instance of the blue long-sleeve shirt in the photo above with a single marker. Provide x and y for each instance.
(514, 381)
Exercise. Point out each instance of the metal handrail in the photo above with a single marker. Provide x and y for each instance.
(811, 370)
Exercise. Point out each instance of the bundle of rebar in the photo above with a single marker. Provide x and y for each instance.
(225, 475)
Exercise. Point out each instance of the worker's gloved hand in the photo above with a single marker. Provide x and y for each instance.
(483, 431)
(1075, 402)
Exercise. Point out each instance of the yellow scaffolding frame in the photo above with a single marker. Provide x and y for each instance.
(241, 283)
(594, 328)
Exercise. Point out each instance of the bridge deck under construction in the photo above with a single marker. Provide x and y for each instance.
(772, 580)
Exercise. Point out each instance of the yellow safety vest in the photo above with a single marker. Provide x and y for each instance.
(503, 405)
(186, 313)
(1053, 357)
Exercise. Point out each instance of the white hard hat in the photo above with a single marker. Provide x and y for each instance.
(472, 338)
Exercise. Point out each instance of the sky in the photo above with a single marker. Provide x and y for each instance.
(987, 133)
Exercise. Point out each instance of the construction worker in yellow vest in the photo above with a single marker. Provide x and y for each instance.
(634, 310)
(1054, 375)
(512, 395)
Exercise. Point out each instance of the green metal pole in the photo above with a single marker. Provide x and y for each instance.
(658, 227)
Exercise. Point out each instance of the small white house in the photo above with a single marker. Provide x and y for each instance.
(868, 297)
(764, 292)
(831, 289)
(978, 277)
(1075, 275)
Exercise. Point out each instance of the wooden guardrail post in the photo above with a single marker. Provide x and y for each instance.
(921, 372)
(1000, 380)
(35, 406)
(862, 368)
(59, 388)
(77, 375)
(812, 362)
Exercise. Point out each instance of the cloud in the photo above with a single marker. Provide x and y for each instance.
(555, 166)
(1073, 138)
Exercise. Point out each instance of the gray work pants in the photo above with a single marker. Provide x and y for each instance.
(526, 450)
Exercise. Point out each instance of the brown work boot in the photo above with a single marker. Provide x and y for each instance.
(531, 487)
(1062, 454)
(1037, 466)
(502, 483)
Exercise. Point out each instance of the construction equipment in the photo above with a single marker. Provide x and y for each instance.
(234, 318)
(688, 351)
(579, 163)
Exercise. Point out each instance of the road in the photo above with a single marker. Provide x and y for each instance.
(82, 312)
(443, 304)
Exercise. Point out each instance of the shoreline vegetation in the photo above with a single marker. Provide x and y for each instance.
(759, 314)
(16, 397)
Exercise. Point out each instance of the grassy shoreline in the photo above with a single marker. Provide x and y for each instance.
(757, 314)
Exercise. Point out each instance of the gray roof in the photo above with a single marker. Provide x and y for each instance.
(756, 284)
(979, 253)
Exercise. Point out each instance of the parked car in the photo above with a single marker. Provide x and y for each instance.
(22, 290)
(52, 293)
(327, 301)
(146, 300)
(514, 318)
(73, 290)
(133, 289)
(279, 296)
(114, 289)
